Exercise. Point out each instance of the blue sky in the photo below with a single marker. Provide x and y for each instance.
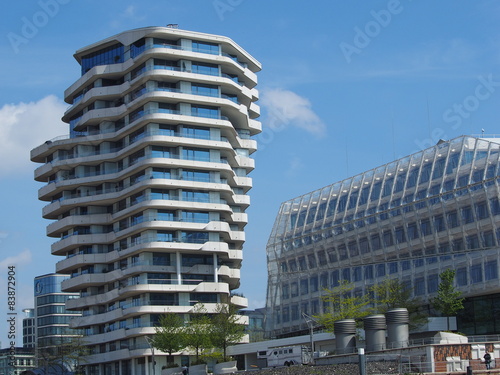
(346, 86)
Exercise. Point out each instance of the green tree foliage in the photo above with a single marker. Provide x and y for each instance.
(343, 304)
(393, 293)
(226, 328)
(170, 335)
(197, 332)
(448, 301)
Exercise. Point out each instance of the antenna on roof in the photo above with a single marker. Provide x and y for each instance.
(173, 25)
(482, 132)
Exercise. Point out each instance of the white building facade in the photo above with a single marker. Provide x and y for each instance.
(148, 193)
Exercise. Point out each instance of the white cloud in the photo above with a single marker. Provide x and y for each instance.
(26, 125)
(128, 14)
(287, 108)
(16, 260)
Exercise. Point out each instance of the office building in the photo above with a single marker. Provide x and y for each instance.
(410, 219)
(51, 317)
(29, 334)
(148, 193)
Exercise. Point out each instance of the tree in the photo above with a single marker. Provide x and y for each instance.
(65, 356)
(197, 332)
(226, 329)
(343, 304)
(170, 334)
(393, 293)
(448, 300)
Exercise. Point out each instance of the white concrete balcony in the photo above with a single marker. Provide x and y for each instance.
(54, 229)
(96, 71)
(77, 283)
(100, 93)
(60, 247)
(241, 302)
(69, 264)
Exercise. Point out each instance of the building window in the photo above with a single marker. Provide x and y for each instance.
(375, 240)
(304, 286)
(400, 235)
(473, 242)
(495, 206)
(294, 289)
(439, 224)
(313, 282)
(335, 278)
(285, 291)
(388, 240)
(467, 215)
(432, 283)
(476, 274)
(490, 270)
(295, 312)
(380, 270)
(346, 274)
(452, 219)
(488, 239)
(461, 276)
(369, 272)
(393, 267)
(356, 273)
(425, 226)
(481, 210)
(419, 286)
(412, 231)
(405, 265)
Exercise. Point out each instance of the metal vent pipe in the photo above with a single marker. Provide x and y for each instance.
(397, 328)
(375, 331)
(345, 335)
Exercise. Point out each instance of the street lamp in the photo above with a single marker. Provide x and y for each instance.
(152, 352)
(310, 323)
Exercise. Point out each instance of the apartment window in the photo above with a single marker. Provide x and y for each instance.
(205, 47)
(405, 265)
(323, 280)
(294, 289)
(203, 68)
(295, 312)
(418, 263)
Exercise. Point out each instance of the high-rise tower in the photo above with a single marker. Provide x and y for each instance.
(148, 193)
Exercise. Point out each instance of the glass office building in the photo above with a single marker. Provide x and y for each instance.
(148, 193)
(409, 219)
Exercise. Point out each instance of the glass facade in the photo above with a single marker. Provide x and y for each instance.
(409, 219)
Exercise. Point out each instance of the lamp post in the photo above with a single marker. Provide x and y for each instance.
(152, 352)
(310, 324)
